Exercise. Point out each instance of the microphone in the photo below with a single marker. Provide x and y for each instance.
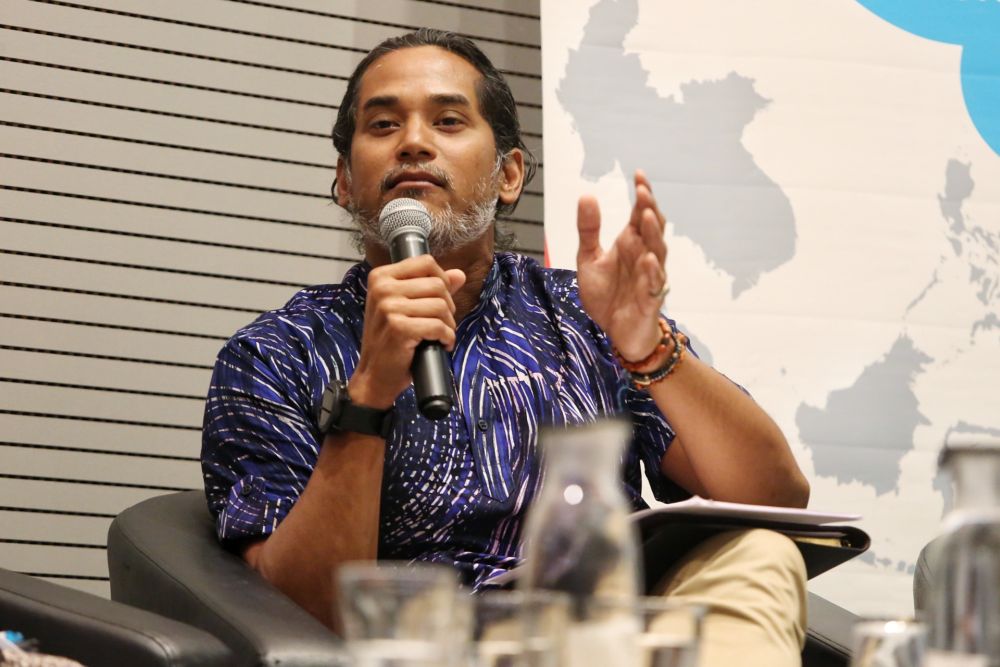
(404, 225)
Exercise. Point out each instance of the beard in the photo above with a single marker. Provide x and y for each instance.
(450, 229)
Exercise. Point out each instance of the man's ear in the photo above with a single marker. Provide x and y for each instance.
(512, 176)
(341, 187)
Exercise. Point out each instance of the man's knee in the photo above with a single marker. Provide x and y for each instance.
(758, 547)
(725, 559)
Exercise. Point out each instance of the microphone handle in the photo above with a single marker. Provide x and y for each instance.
(431, 367)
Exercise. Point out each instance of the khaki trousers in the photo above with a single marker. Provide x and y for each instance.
(753, 584)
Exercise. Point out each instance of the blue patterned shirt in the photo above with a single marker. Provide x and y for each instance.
(454, 490)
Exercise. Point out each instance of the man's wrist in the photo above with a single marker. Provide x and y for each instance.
(338, 413)
(364, 393)
(660, 347)
(661, 362)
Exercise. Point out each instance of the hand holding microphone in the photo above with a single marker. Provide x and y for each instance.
(409, 318)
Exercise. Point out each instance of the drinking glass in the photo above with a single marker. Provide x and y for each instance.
(399, 615)
(964, 604)
(669, 632)
(518, 629)
(635, 632)
(888, 643)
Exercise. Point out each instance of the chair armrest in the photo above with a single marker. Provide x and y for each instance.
(828, 639)
(95, 631)
(163, 556)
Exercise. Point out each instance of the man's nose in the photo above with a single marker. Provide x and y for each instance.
(416, 143)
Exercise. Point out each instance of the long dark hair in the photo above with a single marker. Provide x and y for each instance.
(496, 101)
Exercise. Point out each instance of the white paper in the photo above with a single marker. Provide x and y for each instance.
(699, 505)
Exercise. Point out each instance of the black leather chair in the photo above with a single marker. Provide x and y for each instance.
(96, 631)
(164, 556)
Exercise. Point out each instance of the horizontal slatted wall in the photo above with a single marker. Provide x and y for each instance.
(164, 177)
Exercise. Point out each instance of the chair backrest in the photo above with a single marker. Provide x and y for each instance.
(96, 631)
(163, 555)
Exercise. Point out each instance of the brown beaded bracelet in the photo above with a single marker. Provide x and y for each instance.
(661, 347)
(644, 380)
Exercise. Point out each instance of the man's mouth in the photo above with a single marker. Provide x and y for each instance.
(414, 180)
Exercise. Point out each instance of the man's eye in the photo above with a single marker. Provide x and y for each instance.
(381, 124)
(450, 121)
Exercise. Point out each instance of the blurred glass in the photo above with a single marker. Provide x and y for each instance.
(641, 632)
(518, 629)
(400, 615)
(889, 643)
(964, 604)
(670, 633)
(578, 537)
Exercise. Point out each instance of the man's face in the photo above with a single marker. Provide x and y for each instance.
(419, 133)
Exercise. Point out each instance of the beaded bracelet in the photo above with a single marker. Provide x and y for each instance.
(661, 347)
(644, 380)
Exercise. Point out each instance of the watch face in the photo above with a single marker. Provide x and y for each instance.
(330, 406)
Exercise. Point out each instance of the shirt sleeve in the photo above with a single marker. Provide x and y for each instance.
(260, 441)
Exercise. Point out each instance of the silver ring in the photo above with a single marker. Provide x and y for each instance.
(665, 290)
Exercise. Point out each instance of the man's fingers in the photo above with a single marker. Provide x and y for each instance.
(652, 277)
(411, 288)
(644, 197)
(406, 332)
(428, 307)
(588, 224)
(456, 278)
(652, 235)
(412, 267)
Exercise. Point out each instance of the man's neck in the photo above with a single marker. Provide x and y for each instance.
(474, 259)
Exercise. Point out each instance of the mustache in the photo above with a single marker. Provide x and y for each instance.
(393, 174)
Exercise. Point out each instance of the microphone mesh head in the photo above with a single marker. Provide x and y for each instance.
(400, 214)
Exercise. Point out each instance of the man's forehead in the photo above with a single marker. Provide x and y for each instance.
(428, 72)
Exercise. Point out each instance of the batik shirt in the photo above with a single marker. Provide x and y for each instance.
(454, 490)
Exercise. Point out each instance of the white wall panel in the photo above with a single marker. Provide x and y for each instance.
(93, 435)
(86, 371)
(232, 296)
(128, 313)
(274, 277)
(101, 468)
(70, 498)
(69, 339)
(87, 562)
(195, 229)
(36, 527)
(125, 407)
(86, 114)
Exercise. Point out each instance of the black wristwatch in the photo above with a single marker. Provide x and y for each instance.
(337, 414)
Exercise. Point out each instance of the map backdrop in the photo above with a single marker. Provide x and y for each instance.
(831, 176)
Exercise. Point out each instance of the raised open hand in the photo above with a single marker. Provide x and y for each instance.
(622, 288)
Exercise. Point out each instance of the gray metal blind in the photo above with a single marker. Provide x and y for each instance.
(164, 177)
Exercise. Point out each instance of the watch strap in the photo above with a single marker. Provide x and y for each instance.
(362, 419)
(337, 413)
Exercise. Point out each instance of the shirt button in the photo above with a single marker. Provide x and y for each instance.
(482, 425)
(246, 490)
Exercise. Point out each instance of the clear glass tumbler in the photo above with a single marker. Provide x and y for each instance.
(400, 615)
(889, 643)
(578, 537)
(964, 605)
(518, 629)
(653, 631)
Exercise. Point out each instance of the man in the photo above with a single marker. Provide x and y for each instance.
(427, 116)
